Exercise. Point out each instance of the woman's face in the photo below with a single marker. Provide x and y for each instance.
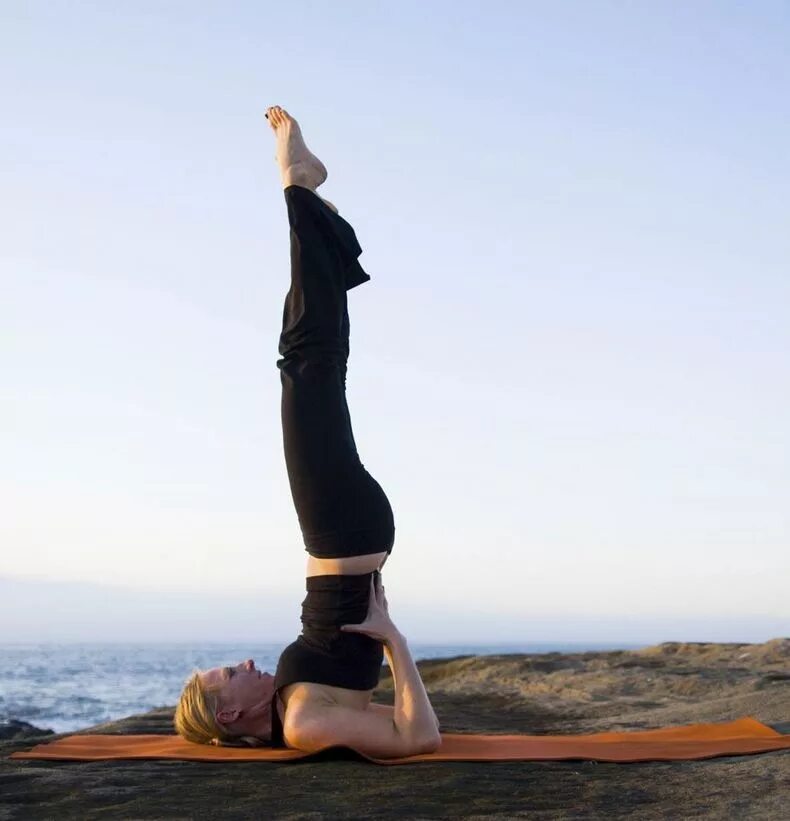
(243, 692)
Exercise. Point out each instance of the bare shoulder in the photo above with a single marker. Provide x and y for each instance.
(313, 726)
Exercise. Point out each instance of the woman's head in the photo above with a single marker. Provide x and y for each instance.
(226, 704)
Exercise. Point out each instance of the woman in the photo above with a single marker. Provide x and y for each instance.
(321, 692)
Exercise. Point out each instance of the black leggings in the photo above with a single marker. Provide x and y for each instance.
(342, 509)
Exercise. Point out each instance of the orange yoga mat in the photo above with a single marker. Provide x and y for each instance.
(692, 741)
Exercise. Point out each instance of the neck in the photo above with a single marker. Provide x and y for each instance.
(257, 721)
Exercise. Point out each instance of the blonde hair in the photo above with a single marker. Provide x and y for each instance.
(195, 718)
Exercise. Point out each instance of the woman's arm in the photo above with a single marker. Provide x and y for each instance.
(413, 713)
(314, 727)
(388, 710)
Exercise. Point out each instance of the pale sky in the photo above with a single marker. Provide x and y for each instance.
(569, 370)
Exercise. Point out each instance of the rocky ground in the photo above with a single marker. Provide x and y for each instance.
(667, 684)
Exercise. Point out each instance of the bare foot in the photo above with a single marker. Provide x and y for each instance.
(298, 165)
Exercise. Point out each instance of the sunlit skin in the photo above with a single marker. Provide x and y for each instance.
(298, 165)
(244, 698)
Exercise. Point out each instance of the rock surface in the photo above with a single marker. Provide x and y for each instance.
(14, 729)
(668, 684)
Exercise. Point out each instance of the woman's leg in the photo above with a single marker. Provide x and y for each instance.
(336, 499)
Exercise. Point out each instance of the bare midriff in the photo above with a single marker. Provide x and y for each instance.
(349, 566)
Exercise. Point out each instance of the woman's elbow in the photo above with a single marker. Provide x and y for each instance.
(429, 744)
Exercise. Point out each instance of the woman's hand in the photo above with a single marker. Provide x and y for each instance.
(378, 624)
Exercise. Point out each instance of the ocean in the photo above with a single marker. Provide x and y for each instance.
(66, 687)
